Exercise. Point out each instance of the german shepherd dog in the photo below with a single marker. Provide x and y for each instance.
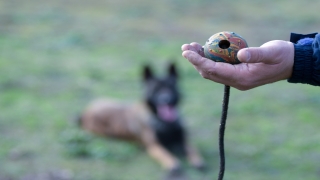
(155, 123)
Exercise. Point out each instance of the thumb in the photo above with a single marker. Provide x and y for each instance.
(253, 55)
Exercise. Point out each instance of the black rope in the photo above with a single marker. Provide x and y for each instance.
(222, 128)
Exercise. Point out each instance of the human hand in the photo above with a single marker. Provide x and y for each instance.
(271, 62)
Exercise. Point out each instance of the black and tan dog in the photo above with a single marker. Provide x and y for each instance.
(155, 123)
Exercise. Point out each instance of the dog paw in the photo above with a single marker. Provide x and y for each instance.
(201, 167)
(175, 174)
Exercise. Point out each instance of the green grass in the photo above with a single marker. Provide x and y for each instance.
(55, 56)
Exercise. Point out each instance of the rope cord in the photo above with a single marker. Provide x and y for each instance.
(222, 129)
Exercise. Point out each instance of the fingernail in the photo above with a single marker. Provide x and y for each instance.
(245, 56)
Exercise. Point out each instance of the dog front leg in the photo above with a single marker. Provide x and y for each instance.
(167, 160)
(158, 152)
(194, 158)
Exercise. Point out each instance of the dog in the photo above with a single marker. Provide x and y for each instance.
(154, 123)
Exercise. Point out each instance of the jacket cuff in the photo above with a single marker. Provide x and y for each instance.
(294, 37)
(303, 64)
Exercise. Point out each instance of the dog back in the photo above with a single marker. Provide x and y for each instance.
(111, 118)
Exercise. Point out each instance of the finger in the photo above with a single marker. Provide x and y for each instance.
(188, 47)
(220, 72)
(254, 55)
(192, 46)
(216, 71)
(199, 48)
(195, 58)
(196, 45)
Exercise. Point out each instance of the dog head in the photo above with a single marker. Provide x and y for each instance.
(161, 93)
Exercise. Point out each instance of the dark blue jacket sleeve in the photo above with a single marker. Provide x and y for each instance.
(306, 68)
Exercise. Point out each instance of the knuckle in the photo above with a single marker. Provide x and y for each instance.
(259, 56)
(204, 75)
(203, 60)
(201, 74)
(209, 73)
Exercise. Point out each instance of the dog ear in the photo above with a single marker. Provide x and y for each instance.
(172, 70)
(147, 73)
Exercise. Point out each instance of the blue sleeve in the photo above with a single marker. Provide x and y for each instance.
(306, 68)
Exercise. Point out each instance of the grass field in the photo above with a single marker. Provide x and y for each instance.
(55, 56)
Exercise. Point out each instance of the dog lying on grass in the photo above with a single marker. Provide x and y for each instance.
(155, 122)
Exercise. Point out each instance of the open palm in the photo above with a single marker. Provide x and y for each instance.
(271, 62)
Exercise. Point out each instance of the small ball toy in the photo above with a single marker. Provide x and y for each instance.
(224, 46)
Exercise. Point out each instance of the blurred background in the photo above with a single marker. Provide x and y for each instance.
(56, 56)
